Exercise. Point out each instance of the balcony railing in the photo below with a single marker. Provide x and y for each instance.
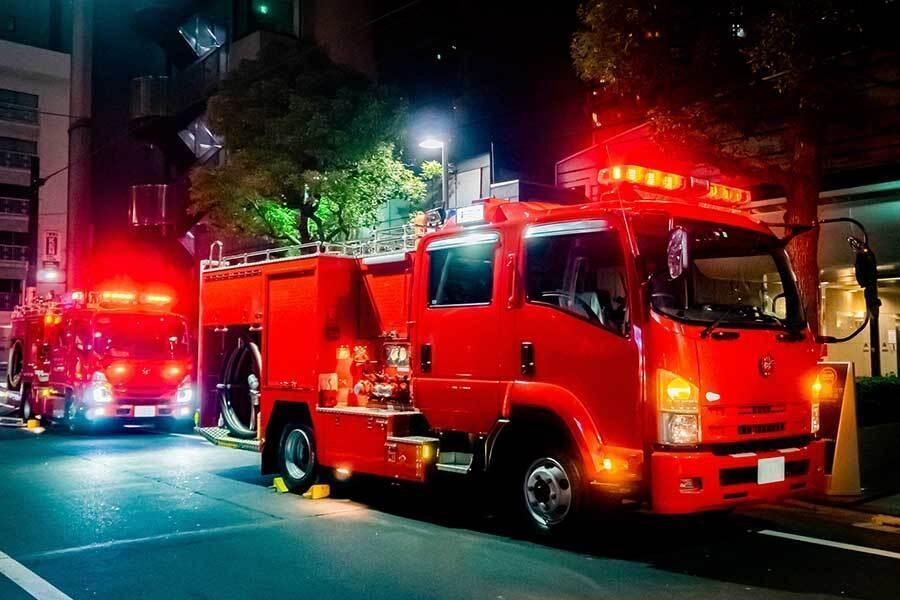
(15, 160)
(14, 206)
(13, 253)
(197, 82)
(161, 96)
(19, 114)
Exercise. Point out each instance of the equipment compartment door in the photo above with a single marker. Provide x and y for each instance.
(292, 337)
(457, 332)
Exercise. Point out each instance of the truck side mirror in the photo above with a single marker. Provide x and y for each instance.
(866, 266)
(677, 257)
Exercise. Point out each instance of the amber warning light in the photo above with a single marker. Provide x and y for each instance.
(663, 181)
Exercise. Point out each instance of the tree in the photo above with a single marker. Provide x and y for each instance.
(311, 149)
(755, 87)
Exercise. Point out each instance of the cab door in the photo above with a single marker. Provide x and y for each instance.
(573, 327)
(457, 341)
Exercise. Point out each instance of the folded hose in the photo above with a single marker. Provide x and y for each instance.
(239, 390)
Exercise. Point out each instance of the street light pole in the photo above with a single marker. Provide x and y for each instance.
(445, 188)
(433, 143)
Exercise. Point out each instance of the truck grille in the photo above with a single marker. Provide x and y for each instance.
(744, 475)
(761, 409)
(760, 428)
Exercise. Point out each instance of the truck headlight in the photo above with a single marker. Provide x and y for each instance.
(185, 392)
(100, 391)
(680, 428)
(678, 402)
(814, 418)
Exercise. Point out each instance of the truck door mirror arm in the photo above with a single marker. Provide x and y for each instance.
(866, 271)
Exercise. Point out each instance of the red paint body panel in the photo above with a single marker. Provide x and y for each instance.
(317, 311)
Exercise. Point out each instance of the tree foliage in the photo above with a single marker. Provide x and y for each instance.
(754, 87)
(311, 149)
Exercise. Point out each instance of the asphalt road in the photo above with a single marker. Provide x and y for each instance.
(145, 515)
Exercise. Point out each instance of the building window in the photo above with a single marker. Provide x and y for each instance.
(579, 270)
(16, 154)
(18, 106)
(461, 270)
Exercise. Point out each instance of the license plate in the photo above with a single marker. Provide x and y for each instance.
(770, 470)
(147, 411)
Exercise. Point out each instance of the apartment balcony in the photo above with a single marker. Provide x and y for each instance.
(14, 215)
(13, 261)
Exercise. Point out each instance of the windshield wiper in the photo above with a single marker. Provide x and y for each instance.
(725, 314)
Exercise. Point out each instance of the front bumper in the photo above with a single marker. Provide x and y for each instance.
(141, 412)
(731, 480)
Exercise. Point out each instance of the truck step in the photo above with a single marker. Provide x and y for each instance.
(220, 436)
(11, 422)
(455, 462)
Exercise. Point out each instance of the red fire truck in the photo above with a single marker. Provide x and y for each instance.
(650, 346)
(110, 357)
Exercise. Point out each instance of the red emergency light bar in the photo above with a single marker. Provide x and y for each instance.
(702, 189)
(120, 297)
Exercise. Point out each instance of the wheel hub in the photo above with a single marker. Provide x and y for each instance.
(297, 454)
(548, 492)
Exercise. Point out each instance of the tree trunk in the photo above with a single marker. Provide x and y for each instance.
(303, 227)
(802, 209)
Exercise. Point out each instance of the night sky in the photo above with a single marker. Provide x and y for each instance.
(489, 71)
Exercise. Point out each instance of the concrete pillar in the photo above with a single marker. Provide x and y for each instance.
(79, 229)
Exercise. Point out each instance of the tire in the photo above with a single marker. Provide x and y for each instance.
(26, 406)
(15, 364)
(550, 493)
(240, 377)
(72, 421)
(297, 460)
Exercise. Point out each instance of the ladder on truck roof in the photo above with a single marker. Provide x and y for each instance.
(381, 243)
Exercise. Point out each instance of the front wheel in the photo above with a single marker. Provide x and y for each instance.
(73, 421)
(551, 493)
(297, 458)
(26, 407)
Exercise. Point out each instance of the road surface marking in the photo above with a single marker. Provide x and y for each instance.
(29, 581)
(841, 545)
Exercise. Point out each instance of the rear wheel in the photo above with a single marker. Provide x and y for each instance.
(297, 457)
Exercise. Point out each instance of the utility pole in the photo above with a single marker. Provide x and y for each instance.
(78, 230)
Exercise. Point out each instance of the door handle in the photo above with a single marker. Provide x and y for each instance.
(526, 353)
(425, 358)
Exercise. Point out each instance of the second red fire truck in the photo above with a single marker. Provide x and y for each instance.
(650, 346)
(110, 357)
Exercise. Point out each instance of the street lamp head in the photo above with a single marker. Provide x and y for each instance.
(431, 143)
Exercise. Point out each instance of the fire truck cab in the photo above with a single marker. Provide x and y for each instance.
(100, 358)
(651, 346)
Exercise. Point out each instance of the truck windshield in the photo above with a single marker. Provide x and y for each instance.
(736, 277)
(136, 335)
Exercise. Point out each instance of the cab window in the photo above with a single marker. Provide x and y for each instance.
(461, 270)
(578, 269)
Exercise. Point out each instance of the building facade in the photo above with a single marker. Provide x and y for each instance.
(34, 101)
